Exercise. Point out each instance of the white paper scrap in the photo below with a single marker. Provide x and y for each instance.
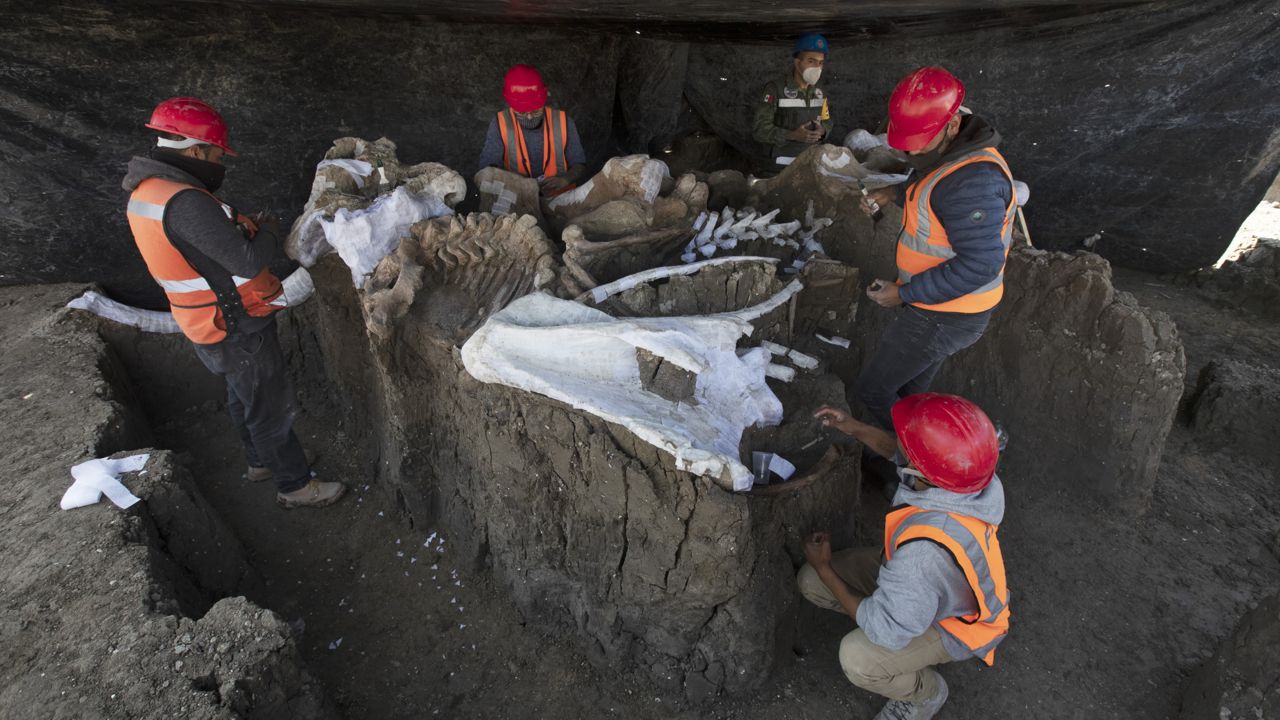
(95, 478)
(782, 468)
(834, 340)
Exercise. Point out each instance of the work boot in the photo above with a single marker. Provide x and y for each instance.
(902, 710)
(315, 494)
(262, 474)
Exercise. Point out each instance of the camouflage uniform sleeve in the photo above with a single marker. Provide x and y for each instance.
(762, 127)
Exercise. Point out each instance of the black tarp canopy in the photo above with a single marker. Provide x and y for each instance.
(1152, 127)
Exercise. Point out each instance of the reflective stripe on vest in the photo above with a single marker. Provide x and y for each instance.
(973, 545)
(515, 153)
(192, 299)
(183, 286)
(923, 244)
(800, 102)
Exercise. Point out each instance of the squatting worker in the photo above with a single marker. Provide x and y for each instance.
(936, 592)
(791, 112)
(532, 139)
(211, 262)
(958, 207)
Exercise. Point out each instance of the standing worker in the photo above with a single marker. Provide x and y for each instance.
(211, 262)
(530, 138)
(957, 225)
(940, 594)
(792, 113)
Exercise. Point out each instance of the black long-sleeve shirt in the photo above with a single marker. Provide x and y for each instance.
(205, 231)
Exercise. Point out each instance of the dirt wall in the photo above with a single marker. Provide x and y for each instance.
(1104, 109)
(1234, 405)
(1242, 679)
(1086, 381)
(655, 570)
(118, 613)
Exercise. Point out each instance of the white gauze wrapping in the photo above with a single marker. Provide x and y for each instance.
(586, 358)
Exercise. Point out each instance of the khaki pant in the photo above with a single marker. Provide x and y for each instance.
(896, 674)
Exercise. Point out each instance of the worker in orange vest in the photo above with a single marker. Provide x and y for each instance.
(936, 592)
(532, 139)
(211, 261)
(957, 225)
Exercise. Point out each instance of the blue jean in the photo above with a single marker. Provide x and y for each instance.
(910, 352)
(261, 403)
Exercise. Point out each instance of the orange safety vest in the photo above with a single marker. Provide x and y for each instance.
(194, 302)
(555, 137)
(975, 549)
(922, 244)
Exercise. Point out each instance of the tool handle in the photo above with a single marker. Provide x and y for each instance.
(876, 213)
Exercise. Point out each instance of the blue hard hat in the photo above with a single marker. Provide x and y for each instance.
(810, 42)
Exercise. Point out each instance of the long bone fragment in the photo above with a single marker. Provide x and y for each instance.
(599, 294)
(704, 236)
(759, 223)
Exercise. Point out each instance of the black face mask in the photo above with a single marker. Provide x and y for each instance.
(210, 174)
(926, 161)
(530, 124)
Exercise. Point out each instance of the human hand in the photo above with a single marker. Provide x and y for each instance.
(817, 550)
(880, 197)
(833, 418)
(264, 218)
(555, 183)
(884, 293)
(805, 134)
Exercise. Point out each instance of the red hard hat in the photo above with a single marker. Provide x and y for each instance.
(948, 439)
(523, 89)
(921, 104)
(192, 118)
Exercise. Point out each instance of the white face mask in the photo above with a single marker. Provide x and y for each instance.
(811, 75)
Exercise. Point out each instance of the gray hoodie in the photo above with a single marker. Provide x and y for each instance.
(202, 230)
(922, 583)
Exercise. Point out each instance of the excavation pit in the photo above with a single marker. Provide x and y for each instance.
(658, 572)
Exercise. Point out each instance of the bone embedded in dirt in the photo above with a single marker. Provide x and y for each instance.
(461, 270)
(146, 320)
(588, 525)
(635, 177)
(362, 199)
(502, 192)
(587, 359)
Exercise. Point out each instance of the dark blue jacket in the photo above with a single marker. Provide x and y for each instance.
(971, 203)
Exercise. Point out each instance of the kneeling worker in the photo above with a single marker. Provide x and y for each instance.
(534, 140)
(212, 262)
(791, 112)
(930, 602)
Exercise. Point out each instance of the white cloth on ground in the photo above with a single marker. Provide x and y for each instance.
(95, 478)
